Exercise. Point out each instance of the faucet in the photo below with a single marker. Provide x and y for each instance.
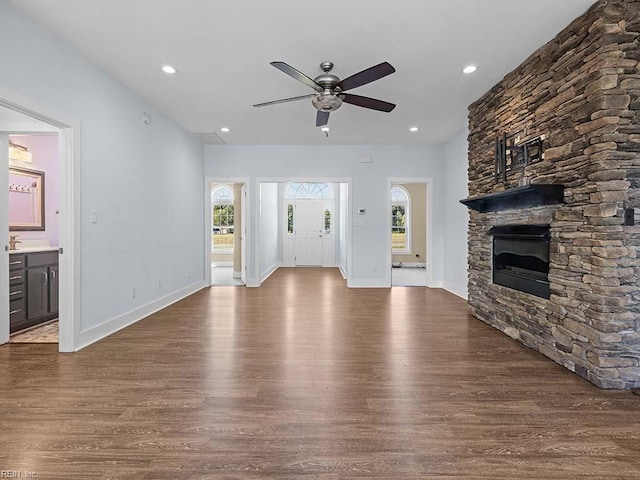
(13, 240)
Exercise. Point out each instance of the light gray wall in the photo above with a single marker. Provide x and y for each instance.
(368, 189)
(456, 217)
(145, 181)
(269, 228)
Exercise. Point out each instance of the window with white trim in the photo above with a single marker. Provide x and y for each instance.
(222, 219)
(400, 220)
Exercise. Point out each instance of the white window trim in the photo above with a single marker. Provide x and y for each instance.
(407, 223)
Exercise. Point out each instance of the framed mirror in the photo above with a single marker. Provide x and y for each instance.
(26, 199)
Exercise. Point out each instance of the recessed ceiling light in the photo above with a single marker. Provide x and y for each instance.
(414, 129)
(325, 129)
(469, 69)
(224, 129)
(169, 69)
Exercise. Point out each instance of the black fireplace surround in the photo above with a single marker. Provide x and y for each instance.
(521, 258)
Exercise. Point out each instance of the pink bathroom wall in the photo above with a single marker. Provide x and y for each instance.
(44, 150)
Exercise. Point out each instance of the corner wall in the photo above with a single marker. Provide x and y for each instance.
(144, 181)
(455, 214)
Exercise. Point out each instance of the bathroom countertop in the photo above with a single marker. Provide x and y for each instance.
(34, 250)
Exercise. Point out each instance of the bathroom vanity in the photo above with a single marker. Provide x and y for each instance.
(33, 287)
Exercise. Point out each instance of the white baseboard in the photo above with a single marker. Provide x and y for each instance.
(367, 283)
(109, 327)
(342, 271)
(456, 290)
(267, 273)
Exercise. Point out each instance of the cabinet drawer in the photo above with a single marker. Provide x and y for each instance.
(17, 311)
(16, 277)
(16, 262)
(16, 292)
(43, 258)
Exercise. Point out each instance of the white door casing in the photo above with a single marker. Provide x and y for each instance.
(243, 234)
(4, 231)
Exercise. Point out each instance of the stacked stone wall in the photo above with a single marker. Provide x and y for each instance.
(581, 92)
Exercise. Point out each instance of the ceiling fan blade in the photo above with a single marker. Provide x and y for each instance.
(369, 75)
(366, 102)
(301, 77)
(284, 100)
(322, 118)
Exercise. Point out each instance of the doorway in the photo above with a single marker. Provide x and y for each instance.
(227, 216)
(409, 233)
(308, 236)
(22, 121)
(33, 237)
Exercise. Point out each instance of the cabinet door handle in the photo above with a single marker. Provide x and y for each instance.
(45, 277)
(53, 276)
(17, 292)
(17, 262)
(12, 312)
(17, 277)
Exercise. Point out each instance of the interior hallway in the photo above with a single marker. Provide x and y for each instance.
(304, 378)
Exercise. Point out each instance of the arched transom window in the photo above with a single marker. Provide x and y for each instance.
(308, 190)
(400, 220)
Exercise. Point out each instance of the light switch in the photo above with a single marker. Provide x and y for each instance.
(358, 222)
(94, 216)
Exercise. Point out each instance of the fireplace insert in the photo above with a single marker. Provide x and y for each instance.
(521, 258)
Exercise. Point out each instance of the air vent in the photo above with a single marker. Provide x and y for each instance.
(210, 138)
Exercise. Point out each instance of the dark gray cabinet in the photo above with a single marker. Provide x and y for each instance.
(33, 289)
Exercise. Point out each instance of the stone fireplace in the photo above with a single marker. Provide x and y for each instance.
(580, 93)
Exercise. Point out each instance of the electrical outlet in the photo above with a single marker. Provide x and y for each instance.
(374, 268)
(159, 283)
(94, 216)
(133, 292)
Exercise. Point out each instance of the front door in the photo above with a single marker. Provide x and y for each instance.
(309, 217)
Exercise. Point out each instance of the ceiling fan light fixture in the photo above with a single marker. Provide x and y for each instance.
(326, 102)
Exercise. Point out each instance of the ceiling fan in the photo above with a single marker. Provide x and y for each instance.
(330, 90)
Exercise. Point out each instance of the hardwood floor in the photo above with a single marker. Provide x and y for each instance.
(306, 379)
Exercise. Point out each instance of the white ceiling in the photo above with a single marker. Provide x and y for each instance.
(222, 51)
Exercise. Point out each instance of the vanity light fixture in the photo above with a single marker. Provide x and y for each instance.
(19, 153)
(224, 129)
(169, 70)
(469, 69)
